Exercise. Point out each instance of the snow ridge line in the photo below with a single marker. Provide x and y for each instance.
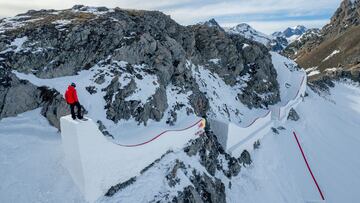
(296, 95)
(157, 136)
(257, 119)
(308, 166)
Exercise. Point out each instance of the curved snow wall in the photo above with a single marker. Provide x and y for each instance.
(96, 164)
(280, 113)
(235, 139)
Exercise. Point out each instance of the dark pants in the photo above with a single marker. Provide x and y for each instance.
(78, 106)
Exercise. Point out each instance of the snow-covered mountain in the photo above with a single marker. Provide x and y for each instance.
(275, 43)
(333, 49)
(291, 33)
(140, 75)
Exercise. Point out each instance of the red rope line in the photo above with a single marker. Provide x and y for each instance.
(157, 136)
(308, 166)
(257, 119)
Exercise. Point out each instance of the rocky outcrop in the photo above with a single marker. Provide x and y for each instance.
(52, 44)
(333, 47)
(16, 96)
(293, 115)
(187, 182)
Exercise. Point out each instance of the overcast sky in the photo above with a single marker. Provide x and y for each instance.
(265, 15)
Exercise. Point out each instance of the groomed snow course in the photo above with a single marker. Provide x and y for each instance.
(236, 138)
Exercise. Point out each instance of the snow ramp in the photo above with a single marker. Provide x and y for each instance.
(96, 164)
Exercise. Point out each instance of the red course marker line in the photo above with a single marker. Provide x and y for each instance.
(157, 136)
(307, 164)
(257, 119)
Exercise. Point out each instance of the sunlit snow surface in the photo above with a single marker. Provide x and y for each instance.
(31, 162)
(328, 130)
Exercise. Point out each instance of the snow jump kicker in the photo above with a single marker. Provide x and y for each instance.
(96, 164)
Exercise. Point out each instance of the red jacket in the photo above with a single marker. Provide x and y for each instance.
(71, 95)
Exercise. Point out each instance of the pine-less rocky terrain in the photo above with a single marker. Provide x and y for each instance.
(49, 44)
(124, 49)
(334, 50)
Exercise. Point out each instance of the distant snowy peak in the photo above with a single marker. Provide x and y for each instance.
(250, 33)
(272, 42)
(291, 33)
(211, 23)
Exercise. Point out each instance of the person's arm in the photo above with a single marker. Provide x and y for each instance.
(66, 97)
(75, 96)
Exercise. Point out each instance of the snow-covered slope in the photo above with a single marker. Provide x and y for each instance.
(223, 105)
(328, 131)
(31, 161)
(250, 33)
(275, 43)
(278, 173)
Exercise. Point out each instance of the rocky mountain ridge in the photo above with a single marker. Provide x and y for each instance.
(333, 49)
(51, 44)
(141, 67)
(291, 34)
(274, 43)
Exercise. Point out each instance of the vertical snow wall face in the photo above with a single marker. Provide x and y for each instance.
(96, 164)
(280, 113)
(236, 139)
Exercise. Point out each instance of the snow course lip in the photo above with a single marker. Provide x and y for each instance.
(257, 119)
(202, 125)
(296, 95)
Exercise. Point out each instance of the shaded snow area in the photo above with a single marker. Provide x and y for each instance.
(289, 77)
(31, 157)
(331, 55)
(223, 99)
(328, 132)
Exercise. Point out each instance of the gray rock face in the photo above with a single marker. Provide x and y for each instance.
(53, 45)
(293, 115)
(54, 106)
(206, 188)
(16, 96)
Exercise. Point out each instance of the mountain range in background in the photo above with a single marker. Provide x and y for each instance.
(335, 49)
(277, 41)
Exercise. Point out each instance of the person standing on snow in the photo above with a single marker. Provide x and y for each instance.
(72, 99)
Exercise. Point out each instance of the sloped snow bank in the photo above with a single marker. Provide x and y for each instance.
(31, 162)
(328, 131)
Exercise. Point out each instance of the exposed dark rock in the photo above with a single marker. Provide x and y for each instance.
(293, 115)
(139, 37)
(16, 96)
(245, 158)
(275, 130)
(91, 89)
(54, 106)
(257, 144)
(119, 187)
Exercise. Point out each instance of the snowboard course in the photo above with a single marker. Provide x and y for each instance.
(326, 131)
(93, 161)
